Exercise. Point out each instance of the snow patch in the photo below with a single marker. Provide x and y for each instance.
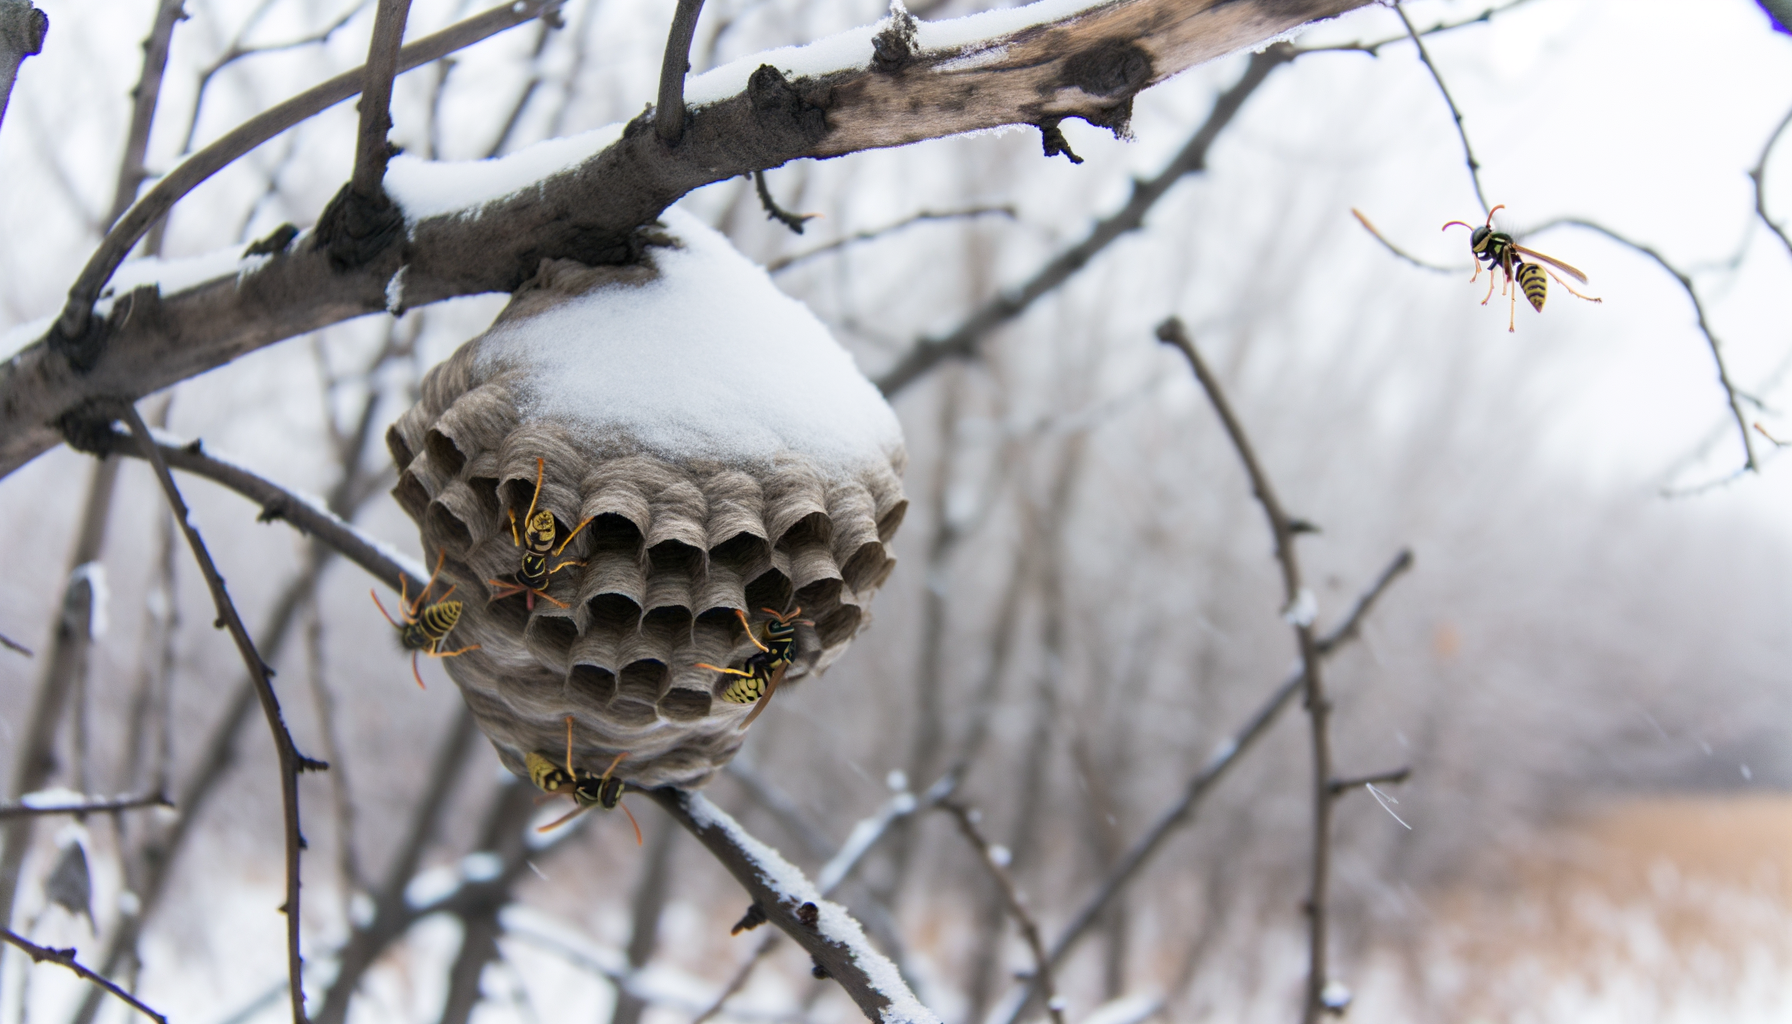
(98, 594)
(707, 361)
(431, 188)
(395, 291)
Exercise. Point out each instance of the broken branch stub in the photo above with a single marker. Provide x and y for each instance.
(703, 448)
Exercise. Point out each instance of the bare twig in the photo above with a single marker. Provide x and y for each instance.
(795, 905)
(668, 115)
(1377, 779)
(1374, 49)
(1016, 901)
(1732, 394)
(1224, 756)
(145, 98)
(1396, 250)
(1299, 609)
(66, 957)
(291, 761)
(964, 340)
(793, 221)
(117, 803)
(13, 645)
(191, 172)
(1757, 175)
(649, 903)
(22, 31)
(1474, 167)
(371, 149)
(785, 262)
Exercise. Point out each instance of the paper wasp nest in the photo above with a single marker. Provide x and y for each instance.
(728, 454)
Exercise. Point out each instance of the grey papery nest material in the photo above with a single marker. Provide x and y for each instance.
(677, 545)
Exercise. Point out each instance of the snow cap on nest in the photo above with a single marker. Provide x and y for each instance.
(705, 360)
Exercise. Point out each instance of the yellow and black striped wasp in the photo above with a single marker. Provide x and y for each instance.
(424, 628)
(762, 671)
(1500, 252)
(537, 542)
(587, 790)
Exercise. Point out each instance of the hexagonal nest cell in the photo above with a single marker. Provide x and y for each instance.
(724, 454)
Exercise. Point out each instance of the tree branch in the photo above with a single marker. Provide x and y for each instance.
(291, 761)
(22, 31)
(668, 117)
(1757, 175)
(371, 148)
(145, 98)
(66, 957)
(119, 803)
(786, 262)
(795, 905)
(1474, 166)
(1014, 899)
(963, 341)
(1089, 65)
(1378, 778)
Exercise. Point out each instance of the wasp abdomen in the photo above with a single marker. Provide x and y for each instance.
(1535, 284)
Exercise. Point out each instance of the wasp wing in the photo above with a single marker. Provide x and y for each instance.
(1552, 261)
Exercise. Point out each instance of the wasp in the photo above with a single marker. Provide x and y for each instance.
(1500, 252)
(587, 790)
(763, 670)
(537, 542)
(424, 628)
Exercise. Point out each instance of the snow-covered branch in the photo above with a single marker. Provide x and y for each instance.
(889, 84)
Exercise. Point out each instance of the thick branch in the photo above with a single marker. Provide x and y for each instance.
(1087, 65)
(22, 31)
(796, 906)
(66, 957)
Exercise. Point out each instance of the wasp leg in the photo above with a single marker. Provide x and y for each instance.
(1492, 279)
(729, 671)
(415, 674)
(557, 822)
(631, 821)
(1570, 288)
(545, 596)
(748, 626)
(562, 565)
(570, 536)
(453, 654)
(424, 594)
(376, 603)
(765, 698)
(506, 590)
(514, 539)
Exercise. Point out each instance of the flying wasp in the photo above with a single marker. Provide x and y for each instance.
(763, 670)
(537, 542)
(587, 790)
(424, 628)
(1500, 252)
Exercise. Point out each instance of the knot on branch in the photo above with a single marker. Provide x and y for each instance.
(88, 426)
(800, 108)
(808, 915)
(355, 228)
(278, 241)
(1053, 139)
(895, 47)
(1113, 69)
(24, 33)
(753, 918)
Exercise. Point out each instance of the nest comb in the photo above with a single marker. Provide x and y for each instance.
(728, 456)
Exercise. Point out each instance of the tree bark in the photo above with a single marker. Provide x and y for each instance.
(22, 31)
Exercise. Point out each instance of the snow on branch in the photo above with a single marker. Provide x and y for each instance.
(905, 82)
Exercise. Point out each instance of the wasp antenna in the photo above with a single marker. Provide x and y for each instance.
(631, 821)
(376, 603)
(729, 671)
(1453, 223)
(415, 673)
(447, 593)
(569, 769)
(741, 613)
(1493, 211)
(541, 466)
(514, 539)
(563, 819)
(613, 763)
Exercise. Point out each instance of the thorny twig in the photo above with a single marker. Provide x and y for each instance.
(1223, 758)
(793, 221)
(668, 117)
(1016, 901)
(785, 262)
(1299, 610)
(1732, 394)
(1474, 167)
(66, 957)
(291, 761)
(117, 803)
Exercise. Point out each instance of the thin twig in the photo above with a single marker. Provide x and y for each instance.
(1396, 250)
(963, 341)
(1474, 167)
(117, 803)
(291, 761)
(194, 170)
(668, 116)
(793, 221)
(1299, 610)
(371, 148)
(1374, 49)
(66, 957)
(1731, 393)
(1758, 176)
(1127, 868)
(785, 262)
(1377, 779)
(144, 99)
(13, 645)
(1016, 901)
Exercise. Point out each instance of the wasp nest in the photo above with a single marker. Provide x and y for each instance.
(723, 454)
